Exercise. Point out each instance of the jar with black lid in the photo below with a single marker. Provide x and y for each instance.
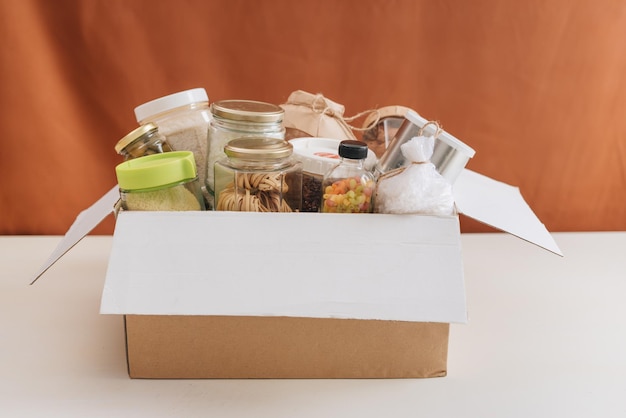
(258, 174)
(349, 187)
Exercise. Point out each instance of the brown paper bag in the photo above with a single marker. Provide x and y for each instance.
(314, 115)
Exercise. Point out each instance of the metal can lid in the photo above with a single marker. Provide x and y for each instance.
(169, 102)
(248, 111)
(258, 148)
(157, 170)
(134, 135)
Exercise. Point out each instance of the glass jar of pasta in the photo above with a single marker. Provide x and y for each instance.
(258, 174)
(232, 119)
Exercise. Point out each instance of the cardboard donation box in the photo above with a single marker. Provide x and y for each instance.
(298, 295)
(294, 295)
(226, 294)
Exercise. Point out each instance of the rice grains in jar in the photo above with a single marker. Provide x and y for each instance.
(232, 119)
(258, 175)
(183, 118)
(160, 182)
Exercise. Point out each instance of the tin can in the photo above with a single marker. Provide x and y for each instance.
(449, 156)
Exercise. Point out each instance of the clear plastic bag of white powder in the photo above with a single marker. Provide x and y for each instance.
(418, 187)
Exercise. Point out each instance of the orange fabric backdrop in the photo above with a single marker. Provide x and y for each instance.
(537, 88)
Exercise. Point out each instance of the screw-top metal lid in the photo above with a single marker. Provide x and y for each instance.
(248, 111)
(169, 102)
(258, 148)
(157, 170)
(134, 135)
(355, 150)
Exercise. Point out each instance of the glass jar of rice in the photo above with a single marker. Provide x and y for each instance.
(160, 182)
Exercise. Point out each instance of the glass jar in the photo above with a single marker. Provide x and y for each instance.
(145, 140)
(349, 186)
(163, 182)
(318, 156)
(258, 175)
(183, 118)
(233, 119)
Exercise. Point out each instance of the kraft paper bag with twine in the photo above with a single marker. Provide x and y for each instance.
(317, 116)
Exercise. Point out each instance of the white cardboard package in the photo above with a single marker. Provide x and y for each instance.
(389, 269)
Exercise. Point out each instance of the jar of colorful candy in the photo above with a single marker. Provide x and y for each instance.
(349, 186)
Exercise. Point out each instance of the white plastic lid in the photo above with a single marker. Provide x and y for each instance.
(319, 155)
(444, 136)
(172, 101)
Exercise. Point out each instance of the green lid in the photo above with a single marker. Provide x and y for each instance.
(156, 170)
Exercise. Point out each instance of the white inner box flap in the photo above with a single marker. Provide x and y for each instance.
(87, 220)
(368, 266)
(502, 206)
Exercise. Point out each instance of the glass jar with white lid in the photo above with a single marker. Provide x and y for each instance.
(183, 119)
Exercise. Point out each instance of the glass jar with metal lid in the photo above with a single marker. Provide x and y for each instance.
(233, 119)
(161, 182)
(145, 140)
(258, 174)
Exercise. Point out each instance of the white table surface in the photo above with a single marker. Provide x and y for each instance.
(546, 338)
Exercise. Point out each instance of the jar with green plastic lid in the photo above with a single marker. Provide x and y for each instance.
(258, 175)
(160, 182)
(144, 140)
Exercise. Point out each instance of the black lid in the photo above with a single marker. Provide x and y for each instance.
(355, 150)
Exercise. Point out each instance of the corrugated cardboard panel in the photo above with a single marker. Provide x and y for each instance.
(386, 267)
(275, 347)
